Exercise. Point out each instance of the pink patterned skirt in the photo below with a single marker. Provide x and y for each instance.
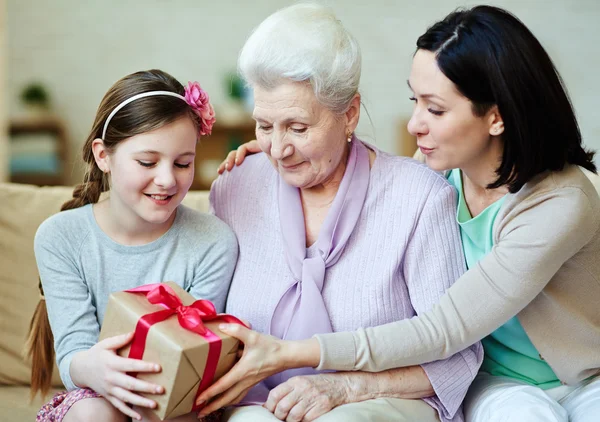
(56, 409)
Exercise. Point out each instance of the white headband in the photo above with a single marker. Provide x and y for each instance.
(137, 97)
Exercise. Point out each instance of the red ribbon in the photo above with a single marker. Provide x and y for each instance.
(190, 317)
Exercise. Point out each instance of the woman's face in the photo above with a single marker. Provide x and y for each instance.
(448, 133)
(305, 141)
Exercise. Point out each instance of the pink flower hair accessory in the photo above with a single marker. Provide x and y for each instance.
(195, 97)
(198, 99)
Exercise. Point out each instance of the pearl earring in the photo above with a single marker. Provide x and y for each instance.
(349, 136)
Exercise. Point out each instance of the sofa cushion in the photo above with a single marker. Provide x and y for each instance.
(23, 209)
(15, 405)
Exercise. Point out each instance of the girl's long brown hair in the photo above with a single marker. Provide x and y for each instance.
(140, 116)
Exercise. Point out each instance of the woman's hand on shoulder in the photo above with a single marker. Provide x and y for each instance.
(307, 397)
(236, 157)
(105, 372)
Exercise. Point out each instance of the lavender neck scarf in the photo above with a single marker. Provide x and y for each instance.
(301, 312)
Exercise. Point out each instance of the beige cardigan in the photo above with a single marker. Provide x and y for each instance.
(544, 268)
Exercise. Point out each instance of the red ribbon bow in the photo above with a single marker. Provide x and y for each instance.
(190, 317)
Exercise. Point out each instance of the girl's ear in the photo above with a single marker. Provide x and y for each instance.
(101, 155)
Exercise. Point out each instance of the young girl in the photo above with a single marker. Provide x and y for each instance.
(142, 146)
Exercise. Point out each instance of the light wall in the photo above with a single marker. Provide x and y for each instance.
(3, 96)
(78, 48)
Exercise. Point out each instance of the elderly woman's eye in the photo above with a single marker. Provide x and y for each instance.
(299, 129)
(264, 128)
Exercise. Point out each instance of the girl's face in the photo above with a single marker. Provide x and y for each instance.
(152, 172)
(448, 133)
(305, 141)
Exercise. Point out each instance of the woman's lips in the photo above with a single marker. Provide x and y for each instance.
(425, 150)
(291, 167)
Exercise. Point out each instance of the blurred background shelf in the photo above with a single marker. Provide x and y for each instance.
(213, 149)
(38, 149)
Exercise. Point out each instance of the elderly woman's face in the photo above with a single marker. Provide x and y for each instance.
(305, 141)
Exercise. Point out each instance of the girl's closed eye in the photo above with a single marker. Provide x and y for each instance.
(146, 164)
(149, 164)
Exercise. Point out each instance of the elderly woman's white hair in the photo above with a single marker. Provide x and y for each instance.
(304, 42)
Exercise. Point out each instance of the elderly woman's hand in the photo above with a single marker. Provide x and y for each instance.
(262, 356)
(305, 398)
(236, 157)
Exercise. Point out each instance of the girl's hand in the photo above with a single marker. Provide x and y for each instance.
(236, 157)
(305, 398)
(262, 357)
(105, 372)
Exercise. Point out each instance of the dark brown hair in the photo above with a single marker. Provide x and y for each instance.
(140, 116)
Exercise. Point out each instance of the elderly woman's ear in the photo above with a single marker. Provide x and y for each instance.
(352, 114)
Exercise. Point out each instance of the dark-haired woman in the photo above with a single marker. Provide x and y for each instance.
(492, 112)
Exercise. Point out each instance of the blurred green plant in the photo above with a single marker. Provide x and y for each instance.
(36, 94)
(235, 86)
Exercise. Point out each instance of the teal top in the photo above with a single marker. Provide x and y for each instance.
(508, 350)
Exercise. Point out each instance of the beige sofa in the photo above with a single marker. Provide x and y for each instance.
(22, 209)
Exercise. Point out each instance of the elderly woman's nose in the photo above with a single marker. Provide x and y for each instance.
(281, 149)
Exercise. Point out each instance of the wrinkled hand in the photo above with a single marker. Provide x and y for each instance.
(260, 359)
(105, 372)
(305, 398)
(236, 157)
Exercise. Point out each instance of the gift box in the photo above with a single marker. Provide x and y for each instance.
(176, 331)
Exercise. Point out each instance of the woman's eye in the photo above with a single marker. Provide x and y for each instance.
(299, 129)
(435, 112)
(145, 163)
(182, 166)
(431, 110)
(265, 128)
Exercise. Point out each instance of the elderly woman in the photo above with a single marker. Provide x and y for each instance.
(334, 234)
(491, 110)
